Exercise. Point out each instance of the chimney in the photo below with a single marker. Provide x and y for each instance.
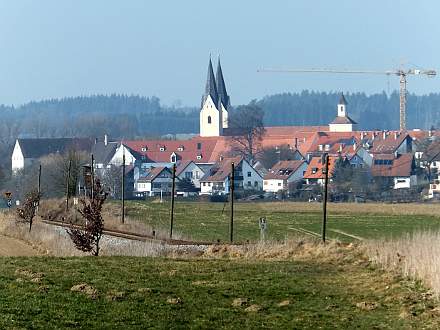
(430, 133)
(105, 139)
(384, 135)
(354, 146)
(395, 135)
(340, 148)
(296, 143)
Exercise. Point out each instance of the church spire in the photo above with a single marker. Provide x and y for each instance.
(211, 88)
(221, 87)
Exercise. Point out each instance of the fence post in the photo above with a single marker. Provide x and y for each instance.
(92, 173)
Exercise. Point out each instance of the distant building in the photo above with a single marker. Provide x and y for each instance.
(284, 173)
(342, 123)
(27, 151)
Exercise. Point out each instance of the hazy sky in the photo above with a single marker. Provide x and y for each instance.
(56, 48)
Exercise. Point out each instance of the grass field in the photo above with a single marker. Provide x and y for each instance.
(139, 293)
(346, 222)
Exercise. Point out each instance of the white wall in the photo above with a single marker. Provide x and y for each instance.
(255, 179)
(196, 174)
(17, 159)
(273, 185)
(214, 128)
(341, 127)
(117, 157)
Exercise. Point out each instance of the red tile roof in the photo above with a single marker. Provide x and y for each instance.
(316, 166)
(401, 166)
(222, 170)
(283, 169)
(153, 173)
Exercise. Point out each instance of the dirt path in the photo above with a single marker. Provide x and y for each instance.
(11, 247)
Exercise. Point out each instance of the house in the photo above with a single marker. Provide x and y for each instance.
(190, 171)
(217, 180)
(155, 181)
(315, 172)
(103, 152)
(284, 173)
(398, 170)
(27, 151)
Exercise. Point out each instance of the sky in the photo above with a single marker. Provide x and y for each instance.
(53, 48)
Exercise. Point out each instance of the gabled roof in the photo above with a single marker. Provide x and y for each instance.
(400, 166)
(183, 165)
(343, 120)
(36, 148)
(221, 87)
(389, 144)
(342, 99)
(103, 153)
(211, 86)
(154, 173)
(185, 150)
(283, 169)
(316, 166)
(221, 170)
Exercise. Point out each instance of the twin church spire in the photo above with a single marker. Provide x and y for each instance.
(215, 103)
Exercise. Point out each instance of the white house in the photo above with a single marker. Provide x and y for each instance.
(217, 181)
(28, 151)
(191, 171)
(399, 170)
(157, 180)
(284, 173)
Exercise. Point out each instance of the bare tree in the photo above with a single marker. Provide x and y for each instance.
(247, 127)
(87, 239)
(112, 180)
(272, 155)
(27, 211)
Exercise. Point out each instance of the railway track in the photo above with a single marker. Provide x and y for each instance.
(130, 235)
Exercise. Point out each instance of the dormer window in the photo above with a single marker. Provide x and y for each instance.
(162, 148)
(173, 158)
(320, 147)
(181, 148)
(144, 149)
(199, 156)
(327, 147)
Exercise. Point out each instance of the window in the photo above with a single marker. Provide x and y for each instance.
(157, 185)
(327, 147)
(320, 147)
(181, 148)
(249, 174)
(255, 183)
(144, 149)
(279, 184)
(197, 174)
(173, 158)
(188, 175)
(266, 182)
(249, 184)
(199, 156)
(199, 146)
(314, 170)
(204, 184)
(162, 148)
(209, 119)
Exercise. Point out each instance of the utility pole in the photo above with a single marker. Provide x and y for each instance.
(39, 180)
(324, 208)
(92, 173)
(172, 201)
(231, 195)
(123, 189)
(68, 184)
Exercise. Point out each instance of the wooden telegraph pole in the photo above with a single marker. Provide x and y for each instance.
(92, 173)
(172, 201)
(324, 207)
(123, 189)
(68, 184)
(231, 195)
(39, 181)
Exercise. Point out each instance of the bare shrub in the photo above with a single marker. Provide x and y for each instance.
(87, 239)
(26, 212)
(414, 255)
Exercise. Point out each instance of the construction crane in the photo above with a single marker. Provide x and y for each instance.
(402, 73)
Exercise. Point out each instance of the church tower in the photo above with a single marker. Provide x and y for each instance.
(223, 97)
(211, 120)
(342, 123)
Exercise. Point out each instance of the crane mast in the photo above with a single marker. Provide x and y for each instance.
(403, 74)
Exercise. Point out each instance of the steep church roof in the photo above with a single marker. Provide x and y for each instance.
(342, 100)
(211, 88)
(221, 87)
